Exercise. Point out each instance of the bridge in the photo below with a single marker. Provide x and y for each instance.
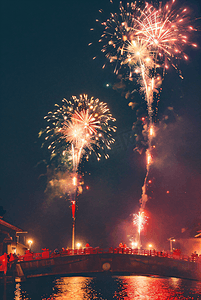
(94, 261)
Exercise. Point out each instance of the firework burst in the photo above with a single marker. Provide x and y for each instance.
(78, 127)
(142, 41)
(146, 38)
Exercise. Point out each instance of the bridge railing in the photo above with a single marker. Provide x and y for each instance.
(46, 253)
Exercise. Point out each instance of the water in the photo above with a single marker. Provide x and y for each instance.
(104, 288)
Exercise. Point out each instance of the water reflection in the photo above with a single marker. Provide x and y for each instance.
(76, 288)
(141, 287)
(106, 288)
(18, 292)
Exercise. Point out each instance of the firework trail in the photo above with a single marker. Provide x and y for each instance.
(142, 41)
(74, 130)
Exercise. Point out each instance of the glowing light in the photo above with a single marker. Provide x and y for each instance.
(151, 131)
(149, 158)
(78, 245)
(30, 242)
(171, 240)
(134, 245)
(75, 181)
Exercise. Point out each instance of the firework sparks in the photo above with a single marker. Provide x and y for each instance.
(79, 127)
(74, 130)
(139, 220)
(146, 38)
(142, 41)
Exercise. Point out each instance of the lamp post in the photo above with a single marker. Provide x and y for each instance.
(171, 240)
(30, 242)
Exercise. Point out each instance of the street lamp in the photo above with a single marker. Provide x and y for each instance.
(171, 240)
(79, 245)
(150, 246)
(30, 242)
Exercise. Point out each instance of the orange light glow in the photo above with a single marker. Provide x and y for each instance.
(30, 242)
(149, 158)
(75, 181)
(151, 131)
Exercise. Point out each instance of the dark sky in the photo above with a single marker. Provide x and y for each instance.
(44, 58)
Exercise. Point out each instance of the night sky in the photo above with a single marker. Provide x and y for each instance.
(45, 57)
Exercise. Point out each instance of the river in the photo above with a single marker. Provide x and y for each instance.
(104, 288)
